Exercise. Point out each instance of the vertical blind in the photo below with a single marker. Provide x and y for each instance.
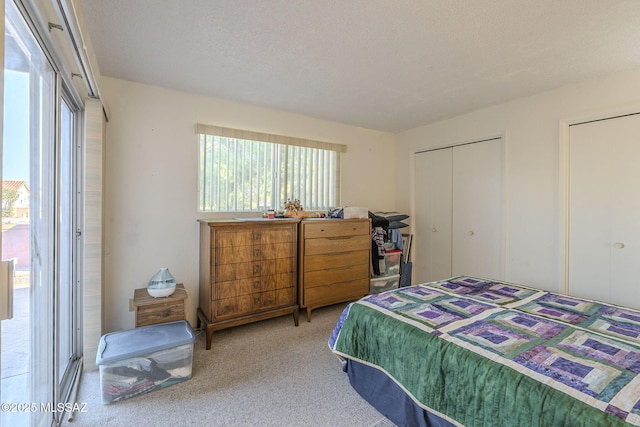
(241, 170)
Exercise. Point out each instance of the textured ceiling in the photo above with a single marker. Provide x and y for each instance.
(389, 65)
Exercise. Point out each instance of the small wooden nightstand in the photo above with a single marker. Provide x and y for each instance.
(150, 310)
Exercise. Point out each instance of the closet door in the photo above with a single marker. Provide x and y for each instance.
(433, 215)
(477, 209)
(604, 209)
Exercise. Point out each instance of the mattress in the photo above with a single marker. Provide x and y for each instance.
(474, 352)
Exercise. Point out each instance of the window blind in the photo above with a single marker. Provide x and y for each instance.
(242, 170)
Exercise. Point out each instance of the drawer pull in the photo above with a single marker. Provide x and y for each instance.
(256, 253)
(256, 269)
(256, 285)
(256, 301)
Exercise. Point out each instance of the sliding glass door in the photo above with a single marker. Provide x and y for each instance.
(29, 112)
(41, 229)
(68, 343)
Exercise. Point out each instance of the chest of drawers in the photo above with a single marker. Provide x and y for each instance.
(334, 261)
(248, 272)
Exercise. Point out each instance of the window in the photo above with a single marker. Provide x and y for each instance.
(249, 171)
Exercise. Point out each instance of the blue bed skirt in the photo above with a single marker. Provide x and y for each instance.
(388, 398)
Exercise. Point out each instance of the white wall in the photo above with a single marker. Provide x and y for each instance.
(531, 127)
(93, 271)
(151, 181)
(150, 217)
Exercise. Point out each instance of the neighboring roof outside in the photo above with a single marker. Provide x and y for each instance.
(14, 185)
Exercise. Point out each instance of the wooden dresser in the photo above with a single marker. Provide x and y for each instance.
(248, 272)
(334, 260)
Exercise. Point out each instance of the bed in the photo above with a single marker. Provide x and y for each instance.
(477, 352)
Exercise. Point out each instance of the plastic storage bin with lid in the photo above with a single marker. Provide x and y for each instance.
(143, 359)
(390, 265)
(384, 283)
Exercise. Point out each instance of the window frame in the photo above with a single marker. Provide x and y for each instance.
(284, 163)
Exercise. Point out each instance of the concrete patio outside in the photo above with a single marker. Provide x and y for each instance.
(16, 358)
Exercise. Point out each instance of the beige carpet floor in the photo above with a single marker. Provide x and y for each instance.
(268, 373)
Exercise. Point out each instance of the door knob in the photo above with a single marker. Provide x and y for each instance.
(471, 233)
(434, 229)
(618, 245)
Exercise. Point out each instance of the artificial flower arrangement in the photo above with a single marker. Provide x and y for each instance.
(293, 209)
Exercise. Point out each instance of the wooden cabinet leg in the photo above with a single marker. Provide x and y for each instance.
(308, 314)
(209, 336)
(296, 315)
(208, 327)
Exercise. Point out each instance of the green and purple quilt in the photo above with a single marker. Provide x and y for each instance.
(480, 352)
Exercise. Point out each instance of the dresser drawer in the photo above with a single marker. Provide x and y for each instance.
(238, 254)
(233, 238)
(266, 235)
(233, 307)
(233, 255)
(273, 282)
(160, 313)
(337, 228)
(244, 270)
(280, 297)
(335, 275)
(276, 250)
(236, 288)
(337, 292)
(247, 304)
(335, 260)
(241, 270)
(277, 234)
(328, 245)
